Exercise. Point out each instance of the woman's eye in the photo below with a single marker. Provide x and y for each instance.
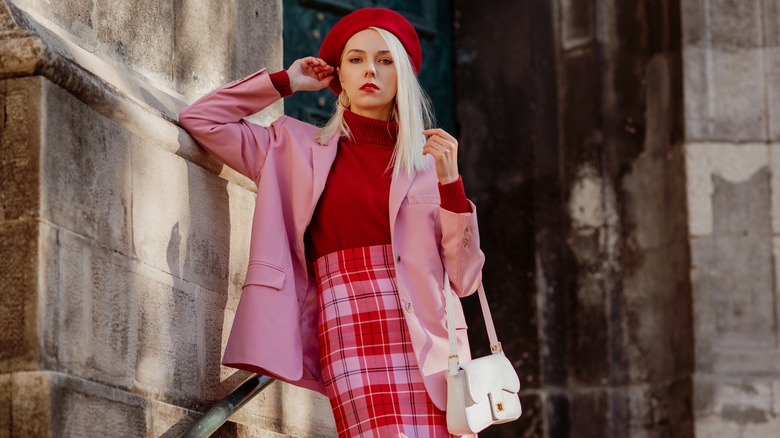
(386, 61)
(354, 60)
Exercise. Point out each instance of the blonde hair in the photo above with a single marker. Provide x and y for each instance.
(411, 110)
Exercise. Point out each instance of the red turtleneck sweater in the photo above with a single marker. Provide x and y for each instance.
(354, 210)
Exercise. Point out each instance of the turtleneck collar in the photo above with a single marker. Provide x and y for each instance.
(367, 130)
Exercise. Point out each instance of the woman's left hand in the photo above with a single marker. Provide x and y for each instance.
(444, 148)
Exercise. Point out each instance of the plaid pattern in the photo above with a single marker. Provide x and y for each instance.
(368, 366)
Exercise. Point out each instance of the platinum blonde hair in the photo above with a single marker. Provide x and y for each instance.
(411, 110)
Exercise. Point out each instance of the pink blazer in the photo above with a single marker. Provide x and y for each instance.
(274, 331)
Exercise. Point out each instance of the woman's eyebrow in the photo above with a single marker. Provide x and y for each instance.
(362, 52)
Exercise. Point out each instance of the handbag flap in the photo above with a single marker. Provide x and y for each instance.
(488, 374)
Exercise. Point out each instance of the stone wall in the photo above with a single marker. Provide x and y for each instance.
(732, 113)
(125, 245)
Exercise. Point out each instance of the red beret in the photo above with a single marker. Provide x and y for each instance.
(352, 23)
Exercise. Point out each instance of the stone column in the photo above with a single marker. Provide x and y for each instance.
(571, 115)
(732, 114)
(124, 245)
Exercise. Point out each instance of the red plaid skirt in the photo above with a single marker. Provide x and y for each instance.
(370, 372)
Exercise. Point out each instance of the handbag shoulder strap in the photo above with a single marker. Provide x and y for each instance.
(495, 345)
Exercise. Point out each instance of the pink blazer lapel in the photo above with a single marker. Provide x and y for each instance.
(399, 187)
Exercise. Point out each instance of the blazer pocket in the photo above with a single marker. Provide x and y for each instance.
(423, 199)
(263, 274)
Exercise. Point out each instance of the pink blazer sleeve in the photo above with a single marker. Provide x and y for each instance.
(216, 122)
(463, 259)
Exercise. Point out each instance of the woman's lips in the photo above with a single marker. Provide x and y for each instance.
(368, 86)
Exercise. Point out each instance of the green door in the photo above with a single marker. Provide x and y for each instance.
(306, 22)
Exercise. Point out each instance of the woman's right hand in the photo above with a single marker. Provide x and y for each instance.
(309, 73)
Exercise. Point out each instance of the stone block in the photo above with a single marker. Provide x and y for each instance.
(740, 282)
(20, 143)
(696, 102)
(704, 280)
(717, 427)
(86, 171)
(169, 361)
(19, 320)
(32, 405)
(747, 360)
(734, 25)
(93, 310)
(139, 34)
(86, 409)
(738, 403)
(742, 208)
(743, 290)
(183, 220)
(217, 318)
(774, 186)
(772, 66)
(731, 162)
(737, 96)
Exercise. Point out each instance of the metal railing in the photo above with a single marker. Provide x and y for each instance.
(215, 417)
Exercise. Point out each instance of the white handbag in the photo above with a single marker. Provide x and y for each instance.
(482, 391)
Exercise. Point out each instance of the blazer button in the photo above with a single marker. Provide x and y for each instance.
(397, 258)
(409, 307)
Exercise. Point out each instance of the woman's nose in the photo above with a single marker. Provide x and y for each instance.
(370, 69)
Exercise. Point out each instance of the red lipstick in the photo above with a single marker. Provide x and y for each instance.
(368, 86)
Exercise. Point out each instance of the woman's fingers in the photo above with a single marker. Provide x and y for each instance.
(310, 73)
(444, 149)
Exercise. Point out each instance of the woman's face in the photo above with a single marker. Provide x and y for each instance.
(368, 75)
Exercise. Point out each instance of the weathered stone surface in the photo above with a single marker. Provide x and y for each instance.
(734, 25)
(31, 405)
(6, 397)
(20, 142)
(736, 95)
(726, 92)
(20, 100)
(168, 421)
(189, 222)
(92, 321)
(736, 406)
(290, 411)
(19, 320)
(772, 61)
(86, 172)
(180, 45)
(86, 409)
(740, 263)
(732, 162)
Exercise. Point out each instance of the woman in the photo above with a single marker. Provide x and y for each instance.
(351, 233)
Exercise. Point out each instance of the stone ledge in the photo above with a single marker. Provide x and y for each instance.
(28, 48)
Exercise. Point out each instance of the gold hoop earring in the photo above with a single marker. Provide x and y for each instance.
(342, 96)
